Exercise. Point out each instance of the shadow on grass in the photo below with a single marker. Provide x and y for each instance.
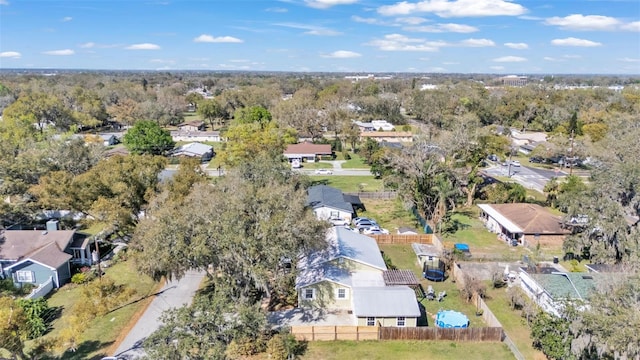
(85, 350)
(140, 299)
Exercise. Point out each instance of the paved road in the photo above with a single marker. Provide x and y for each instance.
(174, 294)
(530, 178)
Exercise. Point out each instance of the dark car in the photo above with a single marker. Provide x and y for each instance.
(536, 160)
(493, 157)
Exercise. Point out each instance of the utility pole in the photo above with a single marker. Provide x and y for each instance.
(95, 243)
(571, 155)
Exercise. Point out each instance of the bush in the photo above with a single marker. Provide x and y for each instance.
(79, 278)
(346, 155)
(241, 348)
(285, 346)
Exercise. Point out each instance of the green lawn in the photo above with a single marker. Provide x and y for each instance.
(102, 332)
(390, 214)
(356, 162)
(350, 183)
(512, 323)
(482, 243)
(406, 350)
(403, 257)
(317, 165)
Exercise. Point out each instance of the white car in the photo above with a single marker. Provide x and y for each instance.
(515, 163)
(375, 230)
(338, 222)
(323, 172)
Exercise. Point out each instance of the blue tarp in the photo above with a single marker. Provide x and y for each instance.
(462, 247)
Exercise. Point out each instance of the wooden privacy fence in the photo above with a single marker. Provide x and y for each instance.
(383, 195)
(436, 333)
(330, 333)
(403, 239)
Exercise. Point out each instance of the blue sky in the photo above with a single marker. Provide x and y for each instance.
(457, 36)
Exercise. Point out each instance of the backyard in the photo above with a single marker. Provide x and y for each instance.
(101, 333)
(350, 183)
(406, 350)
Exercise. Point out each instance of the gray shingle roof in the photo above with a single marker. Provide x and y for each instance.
(46, 247)
(323, 195)
(385, 301)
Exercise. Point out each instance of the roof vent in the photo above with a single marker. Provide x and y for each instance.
(44, 232)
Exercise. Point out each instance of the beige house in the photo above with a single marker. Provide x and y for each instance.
(347, 277)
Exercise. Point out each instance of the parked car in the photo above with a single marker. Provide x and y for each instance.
(365, 225)
(375, 230)
(323, 172)
(493, 157)
(338, 222)
(358, 220)
(515, 163)
(536, 160)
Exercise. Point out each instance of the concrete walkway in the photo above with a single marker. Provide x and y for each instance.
(337, 164)
(174, 294)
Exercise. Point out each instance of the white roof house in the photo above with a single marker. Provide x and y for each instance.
(194, 150)
(354, 265)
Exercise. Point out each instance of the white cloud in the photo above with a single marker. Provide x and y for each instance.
(412, 20)
(497, 67)
(143, 46)
(67, 18)
(371, 21)
(342, 54)
(88, 45)
(276, 10)
(205, 38)
(64, 52)
(325, 4)
(584, 22)
(631, 60)
(571, 41)
(440, 28)
(4, 2)
(477, 43)
(632, 26)
(312, 30)
(517, 46)
(397, 42)
(455, 8)
(323, 32)
(510, 59)
(571, 56)
(548, 58)
(10, 54)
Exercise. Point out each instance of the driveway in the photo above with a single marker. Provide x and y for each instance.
(174, 294)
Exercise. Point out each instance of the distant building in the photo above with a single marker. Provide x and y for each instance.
(514, 80)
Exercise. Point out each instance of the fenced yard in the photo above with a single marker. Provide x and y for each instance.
(332, 333)
(403, 239)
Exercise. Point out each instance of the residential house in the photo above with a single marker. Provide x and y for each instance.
(388, 136)
(551, 290)
(109, 139)
(347, 277)
(519, 138)
(198, 150)
(382, 125)
(307, 152)
(328, 202)
(192, 126)
(364, 126)
(523, 224)
(202, 136)
(42, 257)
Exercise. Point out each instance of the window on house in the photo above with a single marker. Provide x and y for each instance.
(400, 321)
(371, 321)
(309, 294)
(334, 214)
(342, 293)
(25, 276)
